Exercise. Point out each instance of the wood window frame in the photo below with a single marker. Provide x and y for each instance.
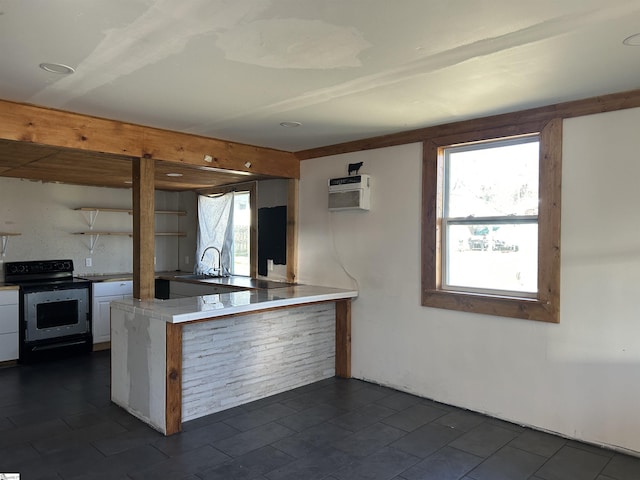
(545, 306)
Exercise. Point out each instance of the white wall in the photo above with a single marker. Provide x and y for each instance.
(44, 215)
(272, 193)
(580, 378)
(188, 201)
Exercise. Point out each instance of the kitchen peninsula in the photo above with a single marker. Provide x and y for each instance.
(180, 359)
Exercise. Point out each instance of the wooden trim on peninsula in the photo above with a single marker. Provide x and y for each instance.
(577, 108)
(173, 402)
(343, 338)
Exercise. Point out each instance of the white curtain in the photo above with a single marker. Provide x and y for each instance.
(215, 229)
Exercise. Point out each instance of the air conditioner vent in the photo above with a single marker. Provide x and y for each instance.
(350, 193)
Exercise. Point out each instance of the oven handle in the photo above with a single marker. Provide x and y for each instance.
(58, 345)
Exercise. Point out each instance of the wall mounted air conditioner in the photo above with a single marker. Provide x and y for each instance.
(350, 193)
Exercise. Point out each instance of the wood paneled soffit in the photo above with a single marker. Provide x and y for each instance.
(55, 128)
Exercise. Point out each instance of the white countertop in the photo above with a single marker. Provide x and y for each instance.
(181, 310)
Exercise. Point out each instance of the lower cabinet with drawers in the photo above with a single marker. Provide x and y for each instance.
(102, 294)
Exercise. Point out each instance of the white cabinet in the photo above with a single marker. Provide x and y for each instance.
(8, 325)
(103, 293)
(179, 289)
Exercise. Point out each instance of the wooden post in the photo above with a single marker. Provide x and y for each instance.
(143, 229)
(173, 397)
(292, 230)
(253, 230)
(343, 338)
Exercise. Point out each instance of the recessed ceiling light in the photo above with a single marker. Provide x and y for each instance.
(174, 174)
(290, 124)
(57, 68)
(633, 40)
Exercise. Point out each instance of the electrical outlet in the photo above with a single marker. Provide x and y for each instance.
(270, 265)
(186, 259)
(88, 262)
(155, 260)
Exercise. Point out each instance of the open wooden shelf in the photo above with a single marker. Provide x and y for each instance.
(130, 234)
(128, 210)
(95, 235)
(95, 232)
(94, 211)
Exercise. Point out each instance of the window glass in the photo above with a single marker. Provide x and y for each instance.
(490, 231)
(241, 234)
(495, 178)
(492, 257)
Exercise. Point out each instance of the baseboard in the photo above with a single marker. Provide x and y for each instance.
(97, 347)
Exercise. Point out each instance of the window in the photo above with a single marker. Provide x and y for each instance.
(491, 222)
(241, 234)
(226, 221)
(490, 217)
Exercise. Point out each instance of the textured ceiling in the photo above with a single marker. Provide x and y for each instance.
(345, 69)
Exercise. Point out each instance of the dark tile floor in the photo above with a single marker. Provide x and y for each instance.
(57, 422)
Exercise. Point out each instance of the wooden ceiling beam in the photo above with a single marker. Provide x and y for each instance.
(192, 149)
(56, 128)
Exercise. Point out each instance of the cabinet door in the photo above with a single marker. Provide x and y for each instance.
(9, 318)
(8, 325)
(102, 318)
(8, 346)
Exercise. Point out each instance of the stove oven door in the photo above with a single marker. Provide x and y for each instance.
(55, 313)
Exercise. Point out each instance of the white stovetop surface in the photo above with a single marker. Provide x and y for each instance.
(207, 306)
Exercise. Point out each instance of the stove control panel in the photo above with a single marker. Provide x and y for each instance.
(39, 268)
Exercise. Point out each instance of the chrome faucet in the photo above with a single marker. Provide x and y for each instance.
(220, 272)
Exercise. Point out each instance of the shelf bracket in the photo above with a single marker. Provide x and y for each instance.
(92, 241)
(92, 219)
(5, 239)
